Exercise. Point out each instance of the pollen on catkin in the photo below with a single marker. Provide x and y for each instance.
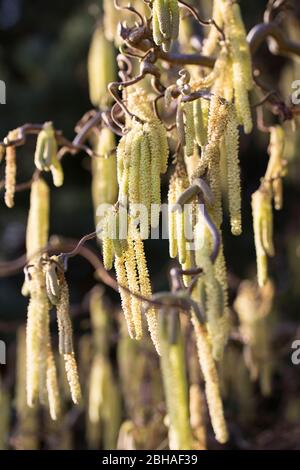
(10, 175)
(52, 385)
(177, 216)
(146, 290)
(212, 386)
(241, 61)
(72, 377)
(37, 331)
(231, 141)
(263, 231)
(65, 330)
(142, 153)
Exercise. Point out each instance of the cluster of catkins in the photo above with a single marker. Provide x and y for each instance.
(46, 286)
(210, 107)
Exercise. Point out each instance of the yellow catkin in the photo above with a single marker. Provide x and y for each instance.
(101, 68)
(241, 61)
(165, 23)
(134, 169)
(218, 119)
(200, 131)
(10, 175)
(125, 296)
(182, 183)
(146, 291)
(172, 228)
(144, 189)
(52, 385)
(189, 129)
(27, 431)
(132, 277)
(212, 386)
(45, 156)
(214, 303)
(104, 170)
(38, 218)
(36, 332)
(211, 42)
(108, 252)
(72, 377)
(65, 330)
(233, 174)
(263, 231)
(276, 165)
(176, 391)
(253, 306)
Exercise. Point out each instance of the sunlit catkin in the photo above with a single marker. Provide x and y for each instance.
(65, 333)
(38, 218)
(45, 157)
(233, 174)
(241, 61)
(212, 386)
(142, 154)
(132, 276)
(277, 165)
(125, 296)
(165, 22)
(176, 391)
(199, 123)
(36, 335)
(65, 330)
(263, 231)
(146, 290)
(177, 216)
(10, 175)
(101, 68)
(189, 129)
(52, 385)
(72, 377)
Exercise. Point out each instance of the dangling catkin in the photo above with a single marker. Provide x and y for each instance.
(72, 377)
(212, 387)
(276, 167)
(65, 333)
(165, 22)
(38, 218)
(101, 68)
(125, 296)
(263, 231)
(241, 61)
(45, 157)
(132, 277)
(146, 290)
(175, 386)
(52, 384)
(36, 335)
(233, 174)
(10, 175)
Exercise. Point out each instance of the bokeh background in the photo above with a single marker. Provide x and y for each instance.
(43, 53)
